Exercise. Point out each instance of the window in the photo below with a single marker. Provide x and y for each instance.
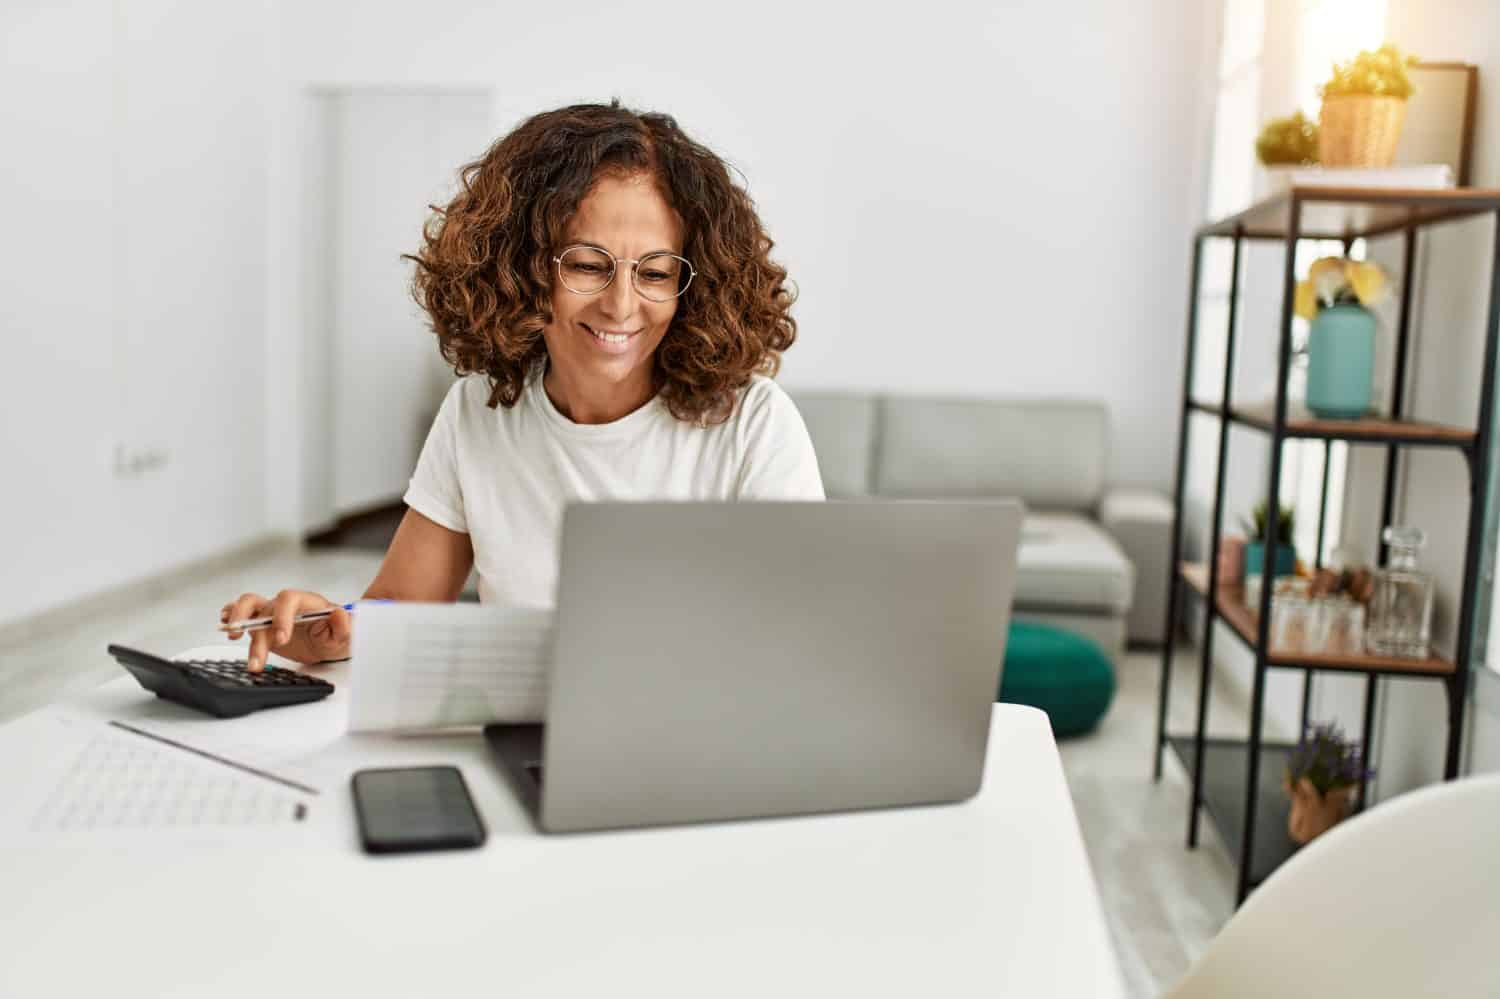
(1231, 187)
(1331, 31)
(1236, 110)
(1326, 31)
(1487, 596)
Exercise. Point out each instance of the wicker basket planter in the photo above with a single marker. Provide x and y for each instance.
(1359, 130)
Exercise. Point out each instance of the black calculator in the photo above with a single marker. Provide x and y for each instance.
(219, 686)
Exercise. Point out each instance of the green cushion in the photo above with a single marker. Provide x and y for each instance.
(1064, 674)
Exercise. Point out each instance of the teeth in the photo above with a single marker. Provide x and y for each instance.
(611, 337)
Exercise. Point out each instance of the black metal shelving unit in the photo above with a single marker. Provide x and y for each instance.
(1238, 781)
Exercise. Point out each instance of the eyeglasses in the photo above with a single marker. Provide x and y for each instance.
(658, 277)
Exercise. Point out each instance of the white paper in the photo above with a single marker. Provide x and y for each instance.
(419, 666)
(102, 779)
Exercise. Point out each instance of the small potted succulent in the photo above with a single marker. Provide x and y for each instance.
(1284, 561)
(1364, 105)
(1320, 780)
(1286, 145)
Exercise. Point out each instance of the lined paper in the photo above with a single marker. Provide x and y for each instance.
(419, 666)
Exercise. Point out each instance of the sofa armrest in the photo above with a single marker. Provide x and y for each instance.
(1141, 521)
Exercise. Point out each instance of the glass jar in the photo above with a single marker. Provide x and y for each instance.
(1400, 621)
(1291, 615)
(1291, 623)
(1319, 621)
(1344, 627)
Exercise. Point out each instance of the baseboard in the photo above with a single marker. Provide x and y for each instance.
(334, 535)
(124, 596)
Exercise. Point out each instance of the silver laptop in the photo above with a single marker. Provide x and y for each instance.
(735, 660)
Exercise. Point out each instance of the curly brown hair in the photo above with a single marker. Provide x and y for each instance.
(484, 272)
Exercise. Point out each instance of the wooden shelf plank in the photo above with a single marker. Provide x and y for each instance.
(1372, 428)
(1354, 212)
(1234, 612)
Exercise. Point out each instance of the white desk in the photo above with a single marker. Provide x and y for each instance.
(993, 896)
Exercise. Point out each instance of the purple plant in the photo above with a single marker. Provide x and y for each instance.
(1327, 759)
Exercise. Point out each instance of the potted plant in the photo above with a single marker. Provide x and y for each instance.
(1364, 104)
(1284, 562)
(1320, 779)
(1335, 298)
(1285, 144)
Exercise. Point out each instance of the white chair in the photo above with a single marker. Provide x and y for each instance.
(1403, 900)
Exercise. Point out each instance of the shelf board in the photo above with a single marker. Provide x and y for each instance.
(1370, 429)
(1242, 620)
(1225, 766)
(1354, 212)
(1367, 430)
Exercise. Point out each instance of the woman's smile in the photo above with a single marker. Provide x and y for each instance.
(611, 339)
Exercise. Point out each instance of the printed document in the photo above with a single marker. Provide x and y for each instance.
(422, 666)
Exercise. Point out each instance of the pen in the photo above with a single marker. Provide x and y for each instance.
(261, 623)
(301, 811)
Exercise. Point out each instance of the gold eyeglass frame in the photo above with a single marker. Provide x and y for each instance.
(615, 263)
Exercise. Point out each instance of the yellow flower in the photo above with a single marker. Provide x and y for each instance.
(1306, 303)
(1332, 264)
(1327, 277)
(1366, 279)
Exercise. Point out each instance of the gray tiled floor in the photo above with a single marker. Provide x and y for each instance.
(1162, 901)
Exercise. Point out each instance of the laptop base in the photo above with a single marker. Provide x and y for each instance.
(519, 750)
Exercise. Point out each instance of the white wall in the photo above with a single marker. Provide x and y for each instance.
(135, 196)
(987, 200)
(394, 153)
(974, 199)
(57, 327)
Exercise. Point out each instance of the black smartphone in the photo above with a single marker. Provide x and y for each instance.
(415, 808)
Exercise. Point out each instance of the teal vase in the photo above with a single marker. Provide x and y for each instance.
(1340, 362)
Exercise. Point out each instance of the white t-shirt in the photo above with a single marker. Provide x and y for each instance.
(504, 475)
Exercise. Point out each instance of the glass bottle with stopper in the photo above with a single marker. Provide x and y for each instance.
(1401, 606)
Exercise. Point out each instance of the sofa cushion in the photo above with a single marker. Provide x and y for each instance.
(1050, 453)
(842, 428)
(1066, 561)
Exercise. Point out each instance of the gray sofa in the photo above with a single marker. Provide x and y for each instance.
(1093, 559)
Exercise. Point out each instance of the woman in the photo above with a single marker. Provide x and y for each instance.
(607, 294)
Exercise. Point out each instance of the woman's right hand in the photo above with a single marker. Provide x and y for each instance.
(307, 643)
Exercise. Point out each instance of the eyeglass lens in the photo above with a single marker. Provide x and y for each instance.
(659, 277)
